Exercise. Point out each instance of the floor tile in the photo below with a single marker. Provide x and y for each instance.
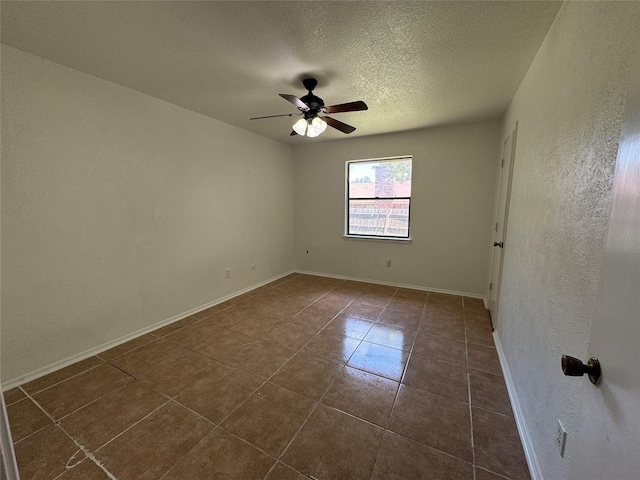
(380, 289)
(475, 304)
(269, 418)
(218, 343)
(283, 309)
(478, 318)
(444, 313)
(257, 300)
(207, 312)
(455, 332)
(61, 375)
(480, 335)
(262, 358)
(13, 395)
(333, 445)
(497, 445)
(444, 299)
(167, 367)
(76, 392)
(25, 418)
(329, 306)
(391, 336)
(484, 359)
(362, 395)
(349, 326)
(290, 335)
(307, 375)
(221, 456)
(411, 294)
(230, 317)
(442, 378)
(440, 349)
(155, 444)
(45, 454)
(219, 392)
(406, 305)
(311, 320)
(332, 346)
(379, 360)
(256, 325)
(398, 318)
(127, 347)
(489, 391)
(102, 420)
(374, 299)
(434, 421)
(404, 459)
(362, 310)
(482, 474)
(175, 326)
(85, 470)
(342, 297)
(282, 472)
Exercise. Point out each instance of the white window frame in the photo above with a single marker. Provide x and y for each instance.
(383, 238)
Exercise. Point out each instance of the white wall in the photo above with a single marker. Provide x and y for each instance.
(120, 210)
(451, 207)
(569, 108)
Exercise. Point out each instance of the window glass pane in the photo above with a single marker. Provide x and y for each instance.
(383, 178)
(389, 218)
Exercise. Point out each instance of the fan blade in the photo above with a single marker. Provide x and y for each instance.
(296, 101)
(338, 125)
(346, 107)
(273, 116)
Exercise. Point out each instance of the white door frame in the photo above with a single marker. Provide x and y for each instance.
(502, 217)
(8, 465)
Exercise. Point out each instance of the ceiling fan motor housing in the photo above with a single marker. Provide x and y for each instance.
(314, 103)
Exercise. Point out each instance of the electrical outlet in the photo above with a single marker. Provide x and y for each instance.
(227, 273)
(561, 438)
(388, 263)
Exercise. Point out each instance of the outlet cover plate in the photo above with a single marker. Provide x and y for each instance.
(561, 438)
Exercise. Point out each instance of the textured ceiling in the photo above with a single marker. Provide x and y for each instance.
(416, 64)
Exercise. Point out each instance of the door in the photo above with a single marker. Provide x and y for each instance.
(499, 242)
(608, 443)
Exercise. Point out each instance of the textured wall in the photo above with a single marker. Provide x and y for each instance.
(569, 108)
(120, 210)
(452, 196)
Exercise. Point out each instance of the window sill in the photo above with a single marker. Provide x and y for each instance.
(377, 239)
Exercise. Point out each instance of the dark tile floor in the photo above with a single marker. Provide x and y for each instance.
(306, 377)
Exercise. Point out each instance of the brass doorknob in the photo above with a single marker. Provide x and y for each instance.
(573, 367)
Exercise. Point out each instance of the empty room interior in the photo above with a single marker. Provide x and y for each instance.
(315, 240)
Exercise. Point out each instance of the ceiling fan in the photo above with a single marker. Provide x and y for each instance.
(311, 124)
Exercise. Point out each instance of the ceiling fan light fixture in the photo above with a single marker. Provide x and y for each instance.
(300, 127)
(316, 127)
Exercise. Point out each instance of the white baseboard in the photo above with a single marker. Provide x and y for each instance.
(114, 343)
(392, 284)
(525, 438)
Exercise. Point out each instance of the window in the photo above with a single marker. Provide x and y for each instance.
(379, 197)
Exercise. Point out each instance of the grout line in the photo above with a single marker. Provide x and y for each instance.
(62, 381)
(88, 454)
(466, 352)
(81, 447)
